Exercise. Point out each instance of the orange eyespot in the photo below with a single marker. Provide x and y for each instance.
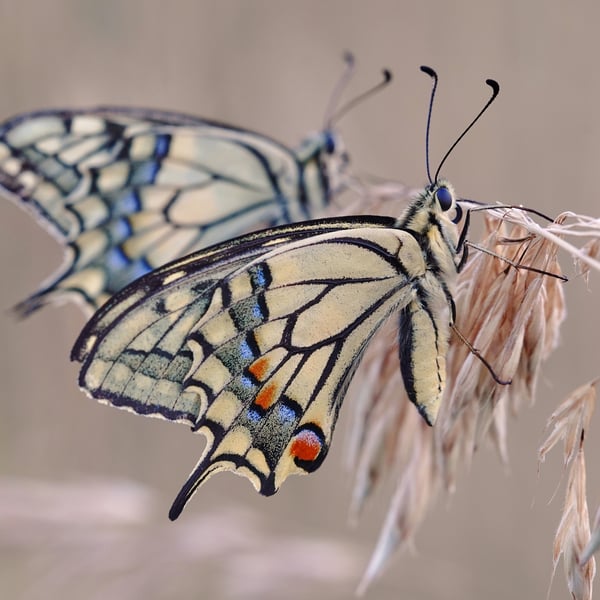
(306, 446)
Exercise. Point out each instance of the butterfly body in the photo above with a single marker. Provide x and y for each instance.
(254, 342)
(127, 190)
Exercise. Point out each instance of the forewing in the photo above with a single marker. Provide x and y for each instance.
(127, 190)
(133, 350)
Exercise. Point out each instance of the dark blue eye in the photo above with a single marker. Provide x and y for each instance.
(329, 142)
(444, 197)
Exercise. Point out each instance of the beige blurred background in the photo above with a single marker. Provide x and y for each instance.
(85, 489)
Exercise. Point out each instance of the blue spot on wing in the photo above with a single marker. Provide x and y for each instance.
(260, 276)
(257, 311)
(145, 173)
(162, 145)
(120, 230)
(245, 351)
(127, 204)
(116, 259)
(129, 270)
(246, 382)
(138, 268)
(286, 414)
(253, 415)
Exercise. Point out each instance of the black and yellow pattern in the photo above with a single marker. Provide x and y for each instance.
(127, 190)
(254, 342)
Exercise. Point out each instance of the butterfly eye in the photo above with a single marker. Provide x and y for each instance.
(444, 197)
(330, 144)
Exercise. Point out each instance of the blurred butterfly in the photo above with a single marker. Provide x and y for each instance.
(254, 342)
(127, 190)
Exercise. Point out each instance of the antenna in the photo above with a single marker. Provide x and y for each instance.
(433, 76)
(387, 77)
(331, 114)
(339, 88)
(495, 91)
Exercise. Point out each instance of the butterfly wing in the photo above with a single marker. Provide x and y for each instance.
(254, 342)
(149, 305)
(127, 190)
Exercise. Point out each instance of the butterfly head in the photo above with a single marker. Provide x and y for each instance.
(324, 144)
(436, 205)
(325, 154)
(444, 201)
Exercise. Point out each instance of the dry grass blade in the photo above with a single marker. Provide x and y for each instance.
(573, 534)
(591, 249)
(569, 423)
(511, 314)
(594, 543)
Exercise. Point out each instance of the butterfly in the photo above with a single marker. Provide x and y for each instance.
(254, 342)
(126, 190)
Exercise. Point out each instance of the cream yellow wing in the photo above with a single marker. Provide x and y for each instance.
(128, 190)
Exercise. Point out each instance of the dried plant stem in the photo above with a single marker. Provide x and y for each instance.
(511, 314)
